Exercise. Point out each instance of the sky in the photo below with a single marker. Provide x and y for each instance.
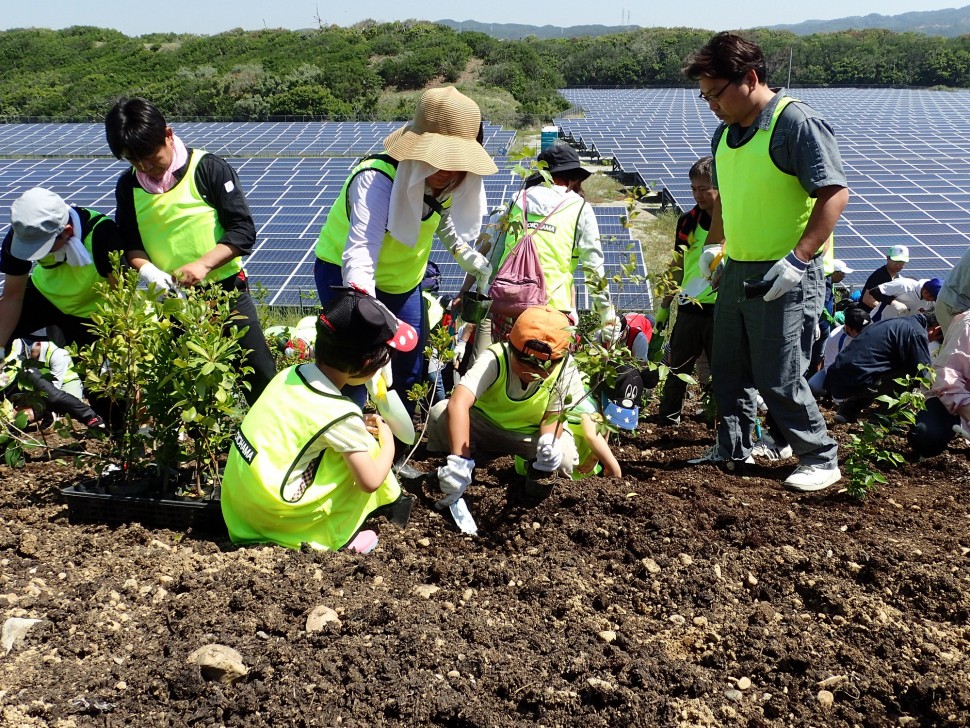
(208, 17)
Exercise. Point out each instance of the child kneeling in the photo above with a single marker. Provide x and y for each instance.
(510, 402)
(305, 466)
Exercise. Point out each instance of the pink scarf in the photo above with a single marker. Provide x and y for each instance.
(167, 182)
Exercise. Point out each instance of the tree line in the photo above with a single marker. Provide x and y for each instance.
(342, 73)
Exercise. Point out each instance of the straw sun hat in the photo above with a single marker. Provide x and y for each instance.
(444, 133)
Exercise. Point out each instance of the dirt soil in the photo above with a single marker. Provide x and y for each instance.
(677, 596)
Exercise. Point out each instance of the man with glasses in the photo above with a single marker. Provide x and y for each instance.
(781, 191)
(509, 402)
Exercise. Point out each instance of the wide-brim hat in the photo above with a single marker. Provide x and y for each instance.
(38, 216)
(444, 134)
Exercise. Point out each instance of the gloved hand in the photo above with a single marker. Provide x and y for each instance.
(473, 263)
(453, 478)
(694, 288)
(786, 274)
(661, 318)
(548, 453)
(151, 273)
(608, 333)
(959, 430)
(459, 351)
(610, 327)
(708, 254)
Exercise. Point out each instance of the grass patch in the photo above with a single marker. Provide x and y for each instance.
(656, 234)
(601, 188)
(497, 105)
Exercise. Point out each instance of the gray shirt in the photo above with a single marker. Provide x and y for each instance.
(803, 144)
(956, 290)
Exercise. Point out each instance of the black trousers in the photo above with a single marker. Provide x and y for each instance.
(933, 429)
(48, 397)
(693, 334)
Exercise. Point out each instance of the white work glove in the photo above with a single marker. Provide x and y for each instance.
(694, 288)
(609, 328)
(786, 274)
(453, 478)
(548, 453)
(460, 346)
(958, 429)
(151, 273)
(708, 254)
(473, 263)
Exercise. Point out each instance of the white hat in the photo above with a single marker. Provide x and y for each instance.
(898, 253)
(839, 266)
(38, 216)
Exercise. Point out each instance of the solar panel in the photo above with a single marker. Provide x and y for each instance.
(290, 198)
(906, 154)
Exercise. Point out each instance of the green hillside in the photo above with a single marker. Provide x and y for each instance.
(374, 70)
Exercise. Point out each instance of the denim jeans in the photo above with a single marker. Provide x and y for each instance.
(764, 347)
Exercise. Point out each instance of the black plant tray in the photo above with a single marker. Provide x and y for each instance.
(93, 502)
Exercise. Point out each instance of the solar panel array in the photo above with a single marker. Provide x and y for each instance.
(290, 198)
(906, 155)
(231, 139)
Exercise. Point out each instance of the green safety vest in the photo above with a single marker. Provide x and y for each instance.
(555, 244)
(764, 210)
(399, 268)
(179, 226)
(692, 257)
(433, 306)
(70, 288)
(515, 415)
(269, 453)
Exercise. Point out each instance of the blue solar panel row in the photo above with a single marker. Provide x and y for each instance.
(290, 198)
(231, 139)
(906, 155)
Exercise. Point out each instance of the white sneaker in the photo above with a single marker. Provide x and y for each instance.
(809, 478)
(768, 449)
(714, 457)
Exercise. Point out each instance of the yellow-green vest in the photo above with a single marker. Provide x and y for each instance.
(692, 257)
(764, 210)
(399, 268)
(47, 349)
(515, 415)
(555, 243)
(71, 288)
(433, 306)
(178, 226)
(270, 446)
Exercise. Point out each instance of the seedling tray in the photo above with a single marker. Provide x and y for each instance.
(91, 502)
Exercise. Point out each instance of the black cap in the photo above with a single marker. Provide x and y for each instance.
(560, 157)
(362, 321)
